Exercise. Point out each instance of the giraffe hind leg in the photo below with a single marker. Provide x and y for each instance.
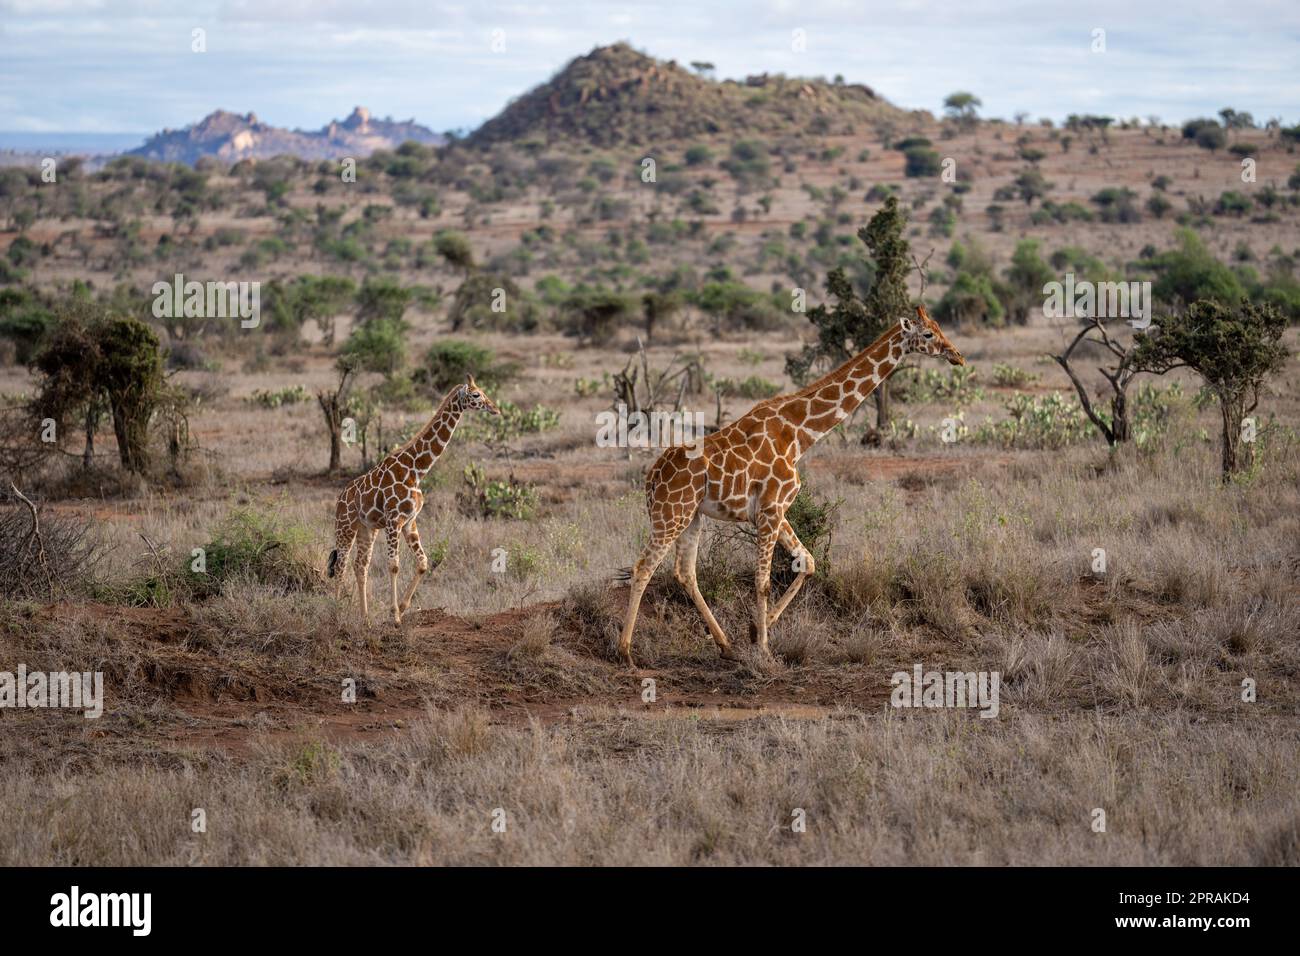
(769, 528)
(688, 547)
(338, 562)
(365, 548)
(804, 564)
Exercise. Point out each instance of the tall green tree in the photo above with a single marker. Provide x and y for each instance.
(382, 298)
(854, 322)
(94, 364)
(68, 367)
(131, 375)
(322, 298)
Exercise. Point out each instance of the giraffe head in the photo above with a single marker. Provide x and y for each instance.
(471, 396)
(923, 335)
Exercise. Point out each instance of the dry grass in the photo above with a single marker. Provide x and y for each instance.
(1121, 691)
(603, 789)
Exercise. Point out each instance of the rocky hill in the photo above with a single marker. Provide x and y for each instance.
(616, 94)
(230, 137)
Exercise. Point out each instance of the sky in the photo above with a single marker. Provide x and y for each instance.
(98, 66)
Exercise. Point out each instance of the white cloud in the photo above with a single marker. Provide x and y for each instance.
(78, 64)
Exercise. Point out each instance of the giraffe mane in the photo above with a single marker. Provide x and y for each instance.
(812, 388)
(410, 442)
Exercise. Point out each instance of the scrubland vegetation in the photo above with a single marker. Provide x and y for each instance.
(183, 470)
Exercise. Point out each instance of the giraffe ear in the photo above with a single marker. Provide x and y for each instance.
(469, 380)
(908, 325)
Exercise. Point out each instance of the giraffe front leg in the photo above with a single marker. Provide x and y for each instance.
(641, 574)
(394, 537)
(769, 527)
(804, 565)
(421, 562)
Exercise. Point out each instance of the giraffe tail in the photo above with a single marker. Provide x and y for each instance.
(333, 562)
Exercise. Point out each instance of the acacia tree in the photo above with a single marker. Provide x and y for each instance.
(1120, 376)
(333, 406)
(322, 298)
(92, 365)
(1234, 351)
(963, 107)
(657, 307)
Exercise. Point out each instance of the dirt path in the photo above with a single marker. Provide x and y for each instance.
(182, 685)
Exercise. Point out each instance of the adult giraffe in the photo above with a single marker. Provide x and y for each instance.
(746, 472)
(388, 497)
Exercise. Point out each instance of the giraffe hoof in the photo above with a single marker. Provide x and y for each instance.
(753, 633)
(728, 653)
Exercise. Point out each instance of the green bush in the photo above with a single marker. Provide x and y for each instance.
(755, 387)
(512, 423)
(497, 499)
(921, 161)
(1036, 421)
(1009, 376)
(1233, 203)
(274, 398)
(1191, 272)
(449, 361)
(698, 155)
(913, 384)
(971, 297)
(25, 325)
(377, 346)
(257, 546)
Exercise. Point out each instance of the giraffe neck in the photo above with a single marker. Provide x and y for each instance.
(426, 447)
(833, 397)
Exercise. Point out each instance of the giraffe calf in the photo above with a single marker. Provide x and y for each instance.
(388, 498)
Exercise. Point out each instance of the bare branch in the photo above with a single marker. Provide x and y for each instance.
(36, 539)
(920, 265)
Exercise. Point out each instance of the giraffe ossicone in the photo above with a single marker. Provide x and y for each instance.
(388, 498)
(746, 472)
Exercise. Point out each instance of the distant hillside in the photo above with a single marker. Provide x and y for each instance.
(617, 95)
(231, 137)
